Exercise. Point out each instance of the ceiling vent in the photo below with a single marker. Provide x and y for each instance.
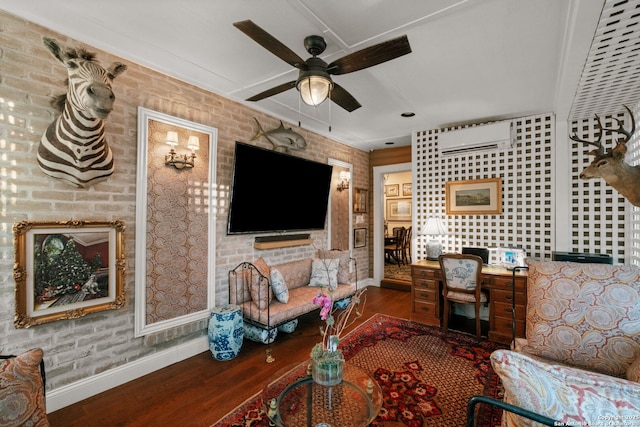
(495, 136)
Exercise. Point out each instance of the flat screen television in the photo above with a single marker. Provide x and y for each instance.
(274, 192)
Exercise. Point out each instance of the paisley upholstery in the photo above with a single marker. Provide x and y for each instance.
(570, 395)
(586, 315)
(582, 340)
(22, 400)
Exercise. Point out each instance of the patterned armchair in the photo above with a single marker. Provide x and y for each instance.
(580, 361)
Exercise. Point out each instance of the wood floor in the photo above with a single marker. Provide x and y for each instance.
(200, 390)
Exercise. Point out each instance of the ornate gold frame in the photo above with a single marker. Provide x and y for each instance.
(490, 189)
(104, 290)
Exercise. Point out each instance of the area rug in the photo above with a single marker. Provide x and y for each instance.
(398, 272)
(427, 376)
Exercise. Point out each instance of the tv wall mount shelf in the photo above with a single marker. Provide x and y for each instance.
(281, 241)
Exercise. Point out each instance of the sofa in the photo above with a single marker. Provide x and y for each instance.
(272, 297)
(579, 363)
(22, 390)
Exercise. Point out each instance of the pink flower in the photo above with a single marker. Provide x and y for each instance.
(325, 302)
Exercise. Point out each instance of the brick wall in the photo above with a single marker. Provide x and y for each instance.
(29, 77)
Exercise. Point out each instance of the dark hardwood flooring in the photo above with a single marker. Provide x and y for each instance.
(200, 390)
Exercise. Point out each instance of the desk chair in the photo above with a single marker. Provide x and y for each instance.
(406, 247)
(462, 277)
(393, 251)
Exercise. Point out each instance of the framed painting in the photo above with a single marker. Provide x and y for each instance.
(406, 189)
(360, 200)
(392, 190)
(474, 197)
(359, 237)
(399, 209)
(67, 269)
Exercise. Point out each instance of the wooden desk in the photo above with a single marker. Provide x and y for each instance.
(427, 298)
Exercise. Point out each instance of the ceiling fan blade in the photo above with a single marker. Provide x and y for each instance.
(344, 99)
(370, 56)
(270, 43)
(273, 91)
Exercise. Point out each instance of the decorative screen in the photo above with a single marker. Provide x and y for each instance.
(527, 190)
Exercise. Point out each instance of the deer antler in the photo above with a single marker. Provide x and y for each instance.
(599, 151)
(627, 134)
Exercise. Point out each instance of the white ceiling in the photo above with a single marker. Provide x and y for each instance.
(472, 61)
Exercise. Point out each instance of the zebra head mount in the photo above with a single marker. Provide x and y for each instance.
(74, 146)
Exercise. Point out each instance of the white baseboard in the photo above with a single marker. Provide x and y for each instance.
(83, 389)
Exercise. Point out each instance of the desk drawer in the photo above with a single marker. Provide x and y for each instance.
(502, 326)
(506, 297)
(425, 273)
(502, 309)
(504, 282)
(425, 309)
(420, 284)
(424, 295)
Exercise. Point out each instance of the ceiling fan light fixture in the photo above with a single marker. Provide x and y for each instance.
(314, 90)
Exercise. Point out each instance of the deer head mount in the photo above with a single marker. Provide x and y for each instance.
(610, 165)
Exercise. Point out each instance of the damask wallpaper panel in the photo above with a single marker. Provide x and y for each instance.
(177, 227)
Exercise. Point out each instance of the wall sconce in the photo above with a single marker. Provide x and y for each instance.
(181, 161)
(434, 227)
(344, 180)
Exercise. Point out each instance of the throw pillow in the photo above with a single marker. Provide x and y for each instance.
(324, 272)
(280, 290)
(22, 400)
(584, 314)
(343, 265)
(569, 395)
(260, 290)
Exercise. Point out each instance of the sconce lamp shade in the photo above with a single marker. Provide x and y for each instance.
(193, 143)
(314, 89)
(172, 138)
(434, 227)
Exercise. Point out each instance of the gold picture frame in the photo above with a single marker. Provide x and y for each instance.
(474, 197)
(392, 190)
(67, 269)
(399, 209)
(360, 196)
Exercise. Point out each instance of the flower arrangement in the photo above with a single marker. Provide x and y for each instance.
(336, 319)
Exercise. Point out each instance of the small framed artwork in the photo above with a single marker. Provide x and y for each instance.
(360, 200)
(392, 190)
(474, 197)
(359, 237)
(67, 269)
(399, 209)
(406, 189)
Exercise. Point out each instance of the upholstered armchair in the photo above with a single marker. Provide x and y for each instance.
(580, 361)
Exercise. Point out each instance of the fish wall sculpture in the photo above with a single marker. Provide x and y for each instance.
(283, 139)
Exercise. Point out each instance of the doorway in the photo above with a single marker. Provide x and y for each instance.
(394, 205)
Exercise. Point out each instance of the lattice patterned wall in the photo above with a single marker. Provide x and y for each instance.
(598, 212)
(634, 222)
(527, 189)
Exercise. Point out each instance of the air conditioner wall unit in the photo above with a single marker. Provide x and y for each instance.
(495, 136)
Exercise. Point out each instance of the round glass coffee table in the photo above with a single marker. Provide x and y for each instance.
(292, 399)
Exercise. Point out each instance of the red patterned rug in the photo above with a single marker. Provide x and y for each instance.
(427, 376)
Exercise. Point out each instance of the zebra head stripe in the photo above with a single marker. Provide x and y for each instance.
(74, 147)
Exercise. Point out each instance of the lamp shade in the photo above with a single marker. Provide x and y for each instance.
(172, 138)
(434, 227)
(314, 89)
(193, 143)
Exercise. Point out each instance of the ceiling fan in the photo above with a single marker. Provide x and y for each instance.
(314, 80)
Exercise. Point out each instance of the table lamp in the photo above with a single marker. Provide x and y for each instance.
(434, 227)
